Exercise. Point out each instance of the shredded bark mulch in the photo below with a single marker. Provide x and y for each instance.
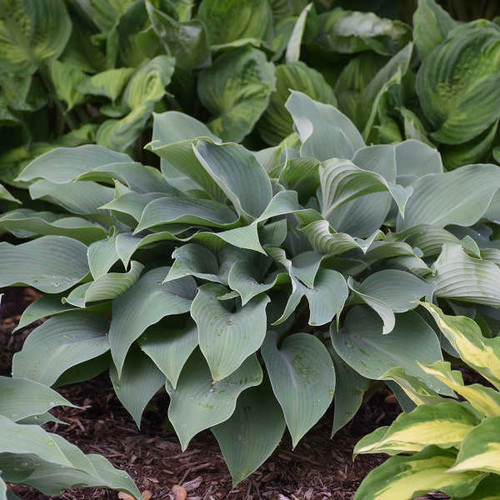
(319, 468)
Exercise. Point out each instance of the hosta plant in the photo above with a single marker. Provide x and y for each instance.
(256, 287)
(31, 456)
(448, 445)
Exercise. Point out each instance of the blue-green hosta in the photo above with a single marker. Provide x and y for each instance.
(250, 284)
(444, 444)
(31, 456)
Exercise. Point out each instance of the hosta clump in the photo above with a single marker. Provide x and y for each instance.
(443, 444)
(34, 457)
(257, 287)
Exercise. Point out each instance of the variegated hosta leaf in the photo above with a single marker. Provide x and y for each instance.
(361, 344)
(323, 130)
(155, 300)
(415, 475)
(228, 337)
(303, 379)
(480, 449)
(251, 434)
(109, 83)
(52, 264)
(59, 344)
(461, 103)
(32, 32)
(444, 425)
(462, 277)
(276, 123)
(66, 81)
(236, 90)
(198, 403)
(464, 334)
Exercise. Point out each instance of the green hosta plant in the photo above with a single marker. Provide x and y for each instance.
(31, 456)
(257, 287)
(444, 444)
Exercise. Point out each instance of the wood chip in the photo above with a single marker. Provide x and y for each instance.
(146, 495)
(179, 492)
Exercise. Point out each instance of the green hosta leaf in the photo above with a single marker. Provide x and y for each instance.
(230, 20)
(458, 94)
(66, 81)
(348, 32)
(251, 434)
(31, 33)
(139, 382)
(47, 305)
(431, 25)
(465, 336)
(326, 299)
(460, 197)
(148, 301)
(170, 345)
(186, 41)
(25, 222)
(276, 123)
(234, 168)
(444, 425)
(22, 398)
(480, 450)
(323, 130)
(488, 489)
(109, 83)
(198, 403)
(51, 264)
(361, 345)
(59, 344)
(63, 165)
(303, 379)
(236, 90)
(462, 277)
(227, 338)
(349, 391)
(412, 476)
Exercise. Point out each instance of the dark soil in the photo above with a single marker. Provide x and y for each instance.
(318, 469)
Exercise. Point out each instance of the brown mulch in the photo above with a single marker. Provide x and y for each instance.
(318, 469)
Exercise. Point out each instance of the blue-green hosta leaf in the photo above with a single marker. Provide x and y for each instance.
(131, 204)
(230, 20)
(326, 299)
(82, 198)
(51, 264)
(428, 238)
(139, 382)
(198, 403)
(5, 195)
(167, 210)
(22, 398)
(301, 175)
(46, 305)
(444, 424)
(459, 94)
(292, 54)
(66, 81)
(63, 165)
(186, 41)
(252, 433)
(143, 305)
(234, 168)
(228, 338)
(459, 197)
(349, 32)
(32, 32)
(323, 130)
(303, 379)
(431, 25)
(415, 159)
(109, 83)
(59, 344)
(276, 123)
(25, 222)
(236, 90)
(170, 344)
(102, 255)
(194, 260)
(480, 449)
(462, 277)
(361, 344)
(350, 388)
